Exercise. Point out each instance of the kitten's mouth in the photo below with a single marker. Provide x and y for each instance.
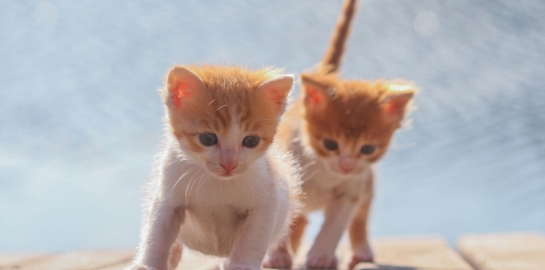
(220, 173)
(225, 175)
(344, 174)
(353, 173)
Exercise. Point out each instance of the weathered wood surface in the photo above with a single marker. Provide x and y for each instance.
(391, 254)
(491, 252)
(404, 253)
(81, 260)
(504, 251)
(12, 261)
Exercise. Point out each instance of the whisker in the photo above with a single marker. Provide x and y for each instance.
(308, 165)
(220, 107)
(201, 180)
(189, 188)
(177, 181)
(310, 176)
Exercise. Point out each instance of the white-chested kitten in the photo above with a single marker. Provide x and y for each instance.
(222, 188)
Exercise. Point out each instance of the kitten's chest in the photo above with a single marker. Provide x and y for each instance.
(193, 187)
(321, 187)
(208, 214)
(216, 194)
(213, 218)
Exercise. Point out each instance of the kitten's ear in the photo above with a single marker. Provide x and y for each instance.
(315, 94)
(276, 90)
(181, 85)
(395, 102)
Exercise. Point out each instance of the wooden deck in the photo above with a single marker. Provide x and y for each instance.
(488, 251)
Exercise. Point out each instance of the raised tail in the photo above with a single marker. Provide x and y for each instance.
(332, 58)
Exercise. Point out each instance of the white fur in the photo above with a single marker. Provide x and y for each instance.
(237, 217)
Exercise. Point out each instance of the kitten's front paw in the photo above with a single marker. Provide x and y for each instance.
(278, 259)
(321, 260)
(361, 255)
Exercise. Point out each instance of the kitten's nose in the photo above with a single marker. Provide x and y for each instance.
(347, 168)
(228, 166)
(347, 164)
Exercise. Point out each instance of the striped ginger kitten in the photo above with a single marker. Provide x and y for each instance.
(222, 186)
(337, 130)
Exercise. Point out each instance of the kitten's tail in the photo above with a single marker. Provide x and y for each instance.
(332, 58)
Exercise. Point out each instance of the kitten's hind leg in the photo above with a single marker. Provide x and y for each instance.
(297, 230)
(175, 255)
(281, 256)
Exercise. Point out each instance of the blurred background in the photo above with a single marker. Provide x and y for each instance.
(80, 117)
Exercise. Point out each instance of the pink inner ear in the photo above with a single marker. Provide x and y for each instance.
(182, 92)
(277, 97)
(395, 106)
(314, 96)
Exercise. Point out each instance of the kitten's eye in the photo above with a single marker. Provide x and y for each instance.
(330, 144)
(208, 139)
(250, 141)
(368, 149)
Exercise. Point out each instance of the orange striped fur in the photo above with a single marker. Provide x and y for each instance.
(338, 129)
(229, 94)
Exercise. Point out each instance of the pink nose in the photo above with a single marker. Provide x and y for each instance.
(347, 163)
(228, 167)
(346, 168)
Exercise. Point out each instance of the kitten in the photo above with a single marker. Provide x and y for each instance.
(337, 130)
(223, 187)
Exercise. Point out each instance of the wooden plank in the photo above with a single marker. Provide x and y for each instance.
(14, 261)
(81, 260)
(194, 260)
(504, 251)
(402, 253)
(190, 260)
(391, 254)
(300, 257)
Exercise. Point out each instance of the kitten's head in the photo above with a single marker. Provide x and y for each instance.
(350, 123)
(225, 118)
